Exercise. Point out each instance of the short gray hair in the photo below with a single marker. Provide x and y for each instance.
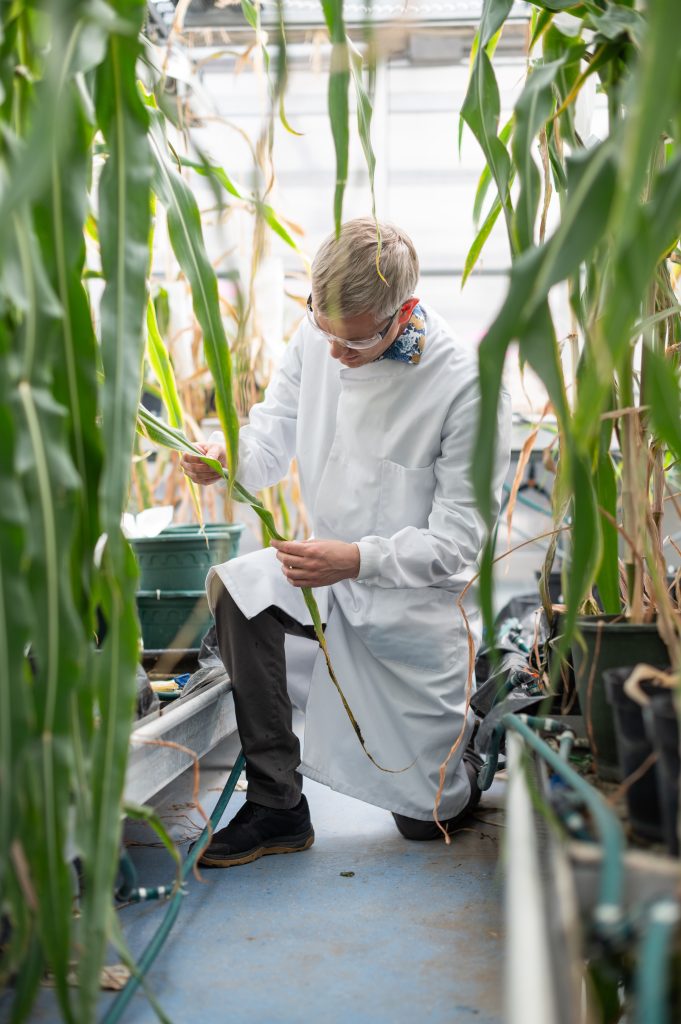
(345, 280)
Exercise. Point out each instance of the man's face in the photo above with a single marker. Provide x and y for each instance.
(360, 327)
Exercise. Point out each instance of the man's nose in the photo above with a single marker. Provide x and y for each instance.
(337, 350)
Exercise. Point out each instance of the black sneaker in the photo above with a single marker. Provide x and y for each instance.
(257, 831)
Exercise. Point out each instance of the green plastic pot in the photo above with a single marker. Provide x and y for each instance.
(173, 618)
(609, 644)
(179, 558)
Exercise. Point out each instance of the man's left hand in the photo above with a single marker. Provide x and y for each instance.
(317, 563)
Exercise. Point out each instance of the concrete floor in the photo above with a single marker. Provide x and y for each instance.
(415, 933)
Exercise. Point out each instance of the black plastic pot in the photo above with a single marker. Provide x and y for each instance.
(633, 748)
(663, 723)
(609, 644)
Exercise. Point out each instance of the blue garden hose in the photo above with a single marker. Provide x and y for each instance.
(652, 975)
(121, 1001)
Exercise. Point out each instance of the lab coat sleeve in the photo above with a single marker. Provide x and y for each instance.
(267, 442)
(456, 532)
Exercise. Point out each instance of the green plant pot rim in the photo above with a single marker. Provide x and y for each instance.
(195, 528)
(181, 534)
(594, 623)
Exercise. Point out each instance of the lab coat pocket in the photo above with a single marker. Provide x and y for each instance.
(348, 497)
(406, 497)
(420, 627)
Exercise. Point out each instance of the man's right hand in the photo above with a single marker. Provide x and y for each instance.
(197, 470)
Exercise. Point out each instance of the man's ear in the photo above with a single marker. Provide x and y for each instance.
(407, 309)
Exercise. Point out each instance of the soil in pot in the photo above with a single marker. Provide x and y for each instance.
(663, 724)
(634, 749)
(609, 643)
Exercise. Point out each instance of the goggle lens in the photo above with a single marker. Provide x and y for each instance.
(355, 343)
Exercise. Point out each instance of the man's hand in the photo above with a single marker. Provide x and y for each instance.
(197, 470)
(317, 563)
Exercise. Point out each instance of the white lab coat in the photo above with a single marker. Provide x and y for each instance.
(383, 454)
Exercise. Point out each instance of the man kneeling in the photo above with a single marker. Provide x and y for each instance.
(378, 402)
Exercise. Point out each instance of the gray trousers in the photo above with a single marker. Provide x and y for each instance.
(252, 651)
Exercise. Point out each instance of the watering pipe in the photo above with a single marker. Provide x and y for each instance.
(116, 1010)
(608, 915)
(652, 975)
(130, 892)
(551, 725)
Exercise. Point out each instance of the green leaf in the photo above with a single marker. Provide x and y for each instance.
(590, 185)
(532, 110)
(539, 347)
(124, 204)
(339, 111)
(220, 175)
(264, 209)
(485, 179)
(29, 171)
(124, 220)
(186, 237)
(50, 486)
(14, 633)
(657, 90)
(632, 269)
(15, 626)
(615, 22)
(275, 224)
(542, 21)
(494, 14)
(480, 111)
(281, 79)
(251, 14)
(586, 540)
(663, 395)
(364, 115)
(523, 315)
(140, 812)
(161, 364)
(572, 6)
(60, 219)
(29, 290)
(483, 234)
(608, 578)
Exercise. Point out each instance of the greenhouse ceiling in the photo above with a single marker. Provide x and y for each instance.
(423, 31)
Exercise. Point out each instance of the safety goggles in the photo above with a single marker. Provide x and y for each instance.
(357, 343)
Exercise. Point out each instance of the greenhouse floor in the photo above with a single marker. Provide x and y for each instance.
(415, 931)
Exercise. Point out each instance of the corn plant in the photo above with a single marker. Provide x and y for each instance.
(614, 247)
(83, 149)
(69, 80)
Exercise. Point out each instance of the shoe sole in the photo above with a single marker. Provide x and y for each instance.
(255, 854)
